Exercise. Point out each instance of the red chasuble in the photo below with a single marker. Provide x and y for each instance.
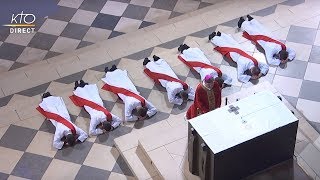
(205, 100)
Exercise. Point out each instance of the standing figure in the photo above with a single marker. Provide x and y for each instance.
(207, 98)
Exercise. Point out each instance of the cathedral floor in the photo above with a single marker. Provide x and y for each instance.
(26, 137)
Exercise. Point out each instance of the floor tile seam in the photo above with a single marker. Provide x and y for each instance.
(299, 155)
(125, 159)
(163, 144)
(302, 167)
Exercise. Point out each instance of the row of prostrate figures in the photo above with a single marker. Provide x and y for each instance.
(206, 96)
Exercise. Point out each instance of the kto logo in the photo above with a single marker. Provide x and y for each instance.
(22, 23)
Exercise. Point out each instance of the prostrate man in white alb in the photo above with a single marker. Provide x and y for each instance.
(136, 106)
(87, 96)
(67, 133)
(276, 52)
(247, 66)
(160, 71)
(196, 60)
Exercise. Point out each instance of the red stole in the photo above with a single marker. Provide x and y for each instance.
(193, 64)
(57, 118)
(225, 51)
(156, 76)
(118, 90)
(256, 38)
(78, 101)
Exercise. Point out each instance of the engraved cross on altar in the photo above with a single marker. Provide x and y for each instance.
(233, 109)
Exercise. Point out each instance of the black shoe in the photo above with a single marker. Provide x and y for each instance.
(45, 95)
(185, 46)
(241, 20)
(106, 69)
(212, 35)
(218, 33)
(76, 84)
(180, 48)
(146, 61)
(155, 58)
(249, 17)
(114, 67)
(82, 83)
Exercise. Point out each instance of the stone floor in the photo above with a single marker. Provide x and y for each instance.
(26, 138)
(79, 23)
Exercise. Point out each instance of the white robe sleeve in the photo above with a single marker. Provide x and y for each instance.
(93, 130)
(241, 76)
(82, 135)
(292, 54)
(172, 91)
(116, 121)
(151, 109)
(191, 93)
(264, 68)
(57, 143)
(128, 112)
(271, 59)
(227, 79)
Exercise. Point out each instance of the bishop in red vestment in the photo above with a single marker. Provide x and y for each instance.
(207, 98)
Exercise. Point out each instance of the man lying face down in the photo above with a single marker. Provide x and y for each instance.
(87, 96)
(160, 71)
(276, 52)
(247, 66)
(136, 106)
(196, 60)
(67, 133)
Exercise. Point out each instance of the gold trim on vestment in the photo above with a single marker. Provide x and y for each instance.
(211, 97)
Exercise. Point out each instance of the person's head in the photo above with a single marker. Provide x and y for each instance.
(220, 81)
(255, 71)
(70, 139)
(184, 95)
(141, 111)
(208, 81)
(283, 55)
(106, 125)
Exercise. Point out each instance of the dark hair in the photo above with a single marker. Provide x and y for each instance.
(142, 111)
(70, 139)
(184, 95)
(255, 70)
(219, 80)
(283, 54)
(106, 125)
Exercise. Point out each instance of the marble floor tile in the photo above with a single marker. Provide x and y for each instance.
(107, 157)
(57, 166)
(287, 86)
(114, 8)
(84, 17)
(54, 27)
(312, 72)
(11, 157)
(31, 166)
